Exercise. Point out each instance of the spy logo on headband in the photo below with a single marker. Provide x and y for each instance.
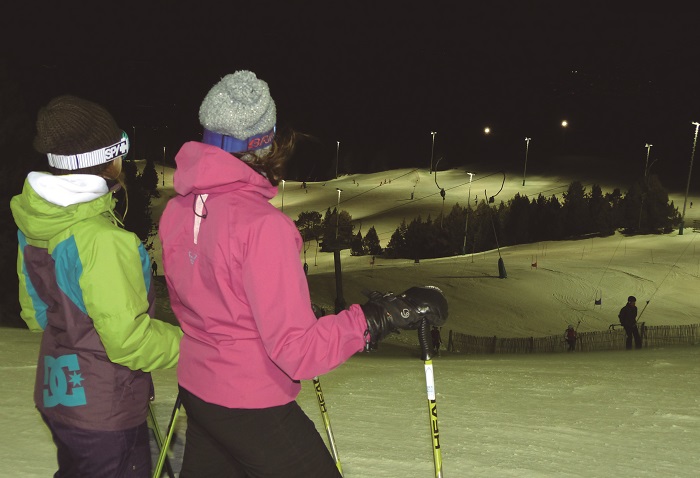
(119, 149)
(91, 158)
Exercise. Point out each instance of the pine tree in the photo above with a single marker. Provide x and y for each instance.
(309, 225)
(451, 238)
(149, 178)
(615, 199)
(553, 219)
(631, 207)
(661, 216)
(600, 212)
(397, 243)
(371, 242)
(484, 225)
(577, 216)
(356, 247)
(134, 204)
(337, 230)
(516, 223)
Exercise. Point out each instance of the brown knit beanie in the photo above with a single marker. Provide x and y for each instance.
(77, 133)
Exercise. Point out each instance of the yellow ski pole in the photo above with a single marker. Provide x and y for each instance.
(327, 423)
(168, 438)
(424, 340)
(159, 438)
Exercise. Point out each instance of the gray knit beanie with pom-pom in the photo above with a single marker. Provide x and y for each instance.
(238, 114)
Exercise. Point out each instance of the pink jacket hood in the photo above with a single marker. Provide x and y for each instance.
(203, 169)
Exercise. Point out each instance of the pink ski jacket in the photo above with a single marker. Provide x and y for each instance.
(237, 287)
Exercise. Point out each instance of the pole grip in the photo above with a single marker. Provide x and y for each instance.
(424, 340)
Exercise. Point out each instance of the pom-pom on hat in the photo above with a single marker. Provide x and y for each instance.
(76, 133)
(238, 114)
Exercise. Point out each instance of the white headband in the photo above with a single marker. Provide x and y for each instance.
(91, 158)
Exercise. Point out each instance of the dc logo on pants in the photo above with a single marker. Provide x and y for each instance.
(64, 388)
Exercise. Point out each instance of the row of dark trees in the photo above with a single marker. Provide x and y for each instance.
(644, 209)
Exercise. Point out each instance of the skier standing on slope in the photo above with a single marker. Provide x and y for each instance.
(231, 262)
(570, 336)
(628, 320)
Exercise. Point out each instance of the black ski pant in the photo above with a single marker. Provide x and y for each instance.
(105, 454)
(275, 442)
(632, 332)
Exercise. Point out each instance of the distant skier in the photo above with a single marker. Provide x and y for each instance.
(154, 268)
(628, 319)
(437, 340)
(570, 337)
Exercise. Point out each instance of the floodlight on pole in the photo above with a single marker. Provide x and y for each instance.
(337, 148)
(466, 222)
(646, 166)
(527, 147)
(337, 213)
(687, 187)
(339, 300)
(432, 150)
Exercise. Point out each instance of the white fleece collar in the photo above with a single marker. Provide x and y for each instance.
(69, 189)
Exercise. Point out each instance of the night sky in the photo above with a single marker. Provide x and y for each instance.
(380, 76)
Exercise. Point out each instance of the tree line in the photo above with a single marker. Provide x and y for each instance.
(644, 209)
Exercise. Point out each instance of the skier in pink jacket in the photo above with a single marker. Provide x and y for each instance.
(236, 285)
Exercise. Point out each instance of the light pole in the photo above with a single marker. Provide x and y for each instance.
(337, 148)
(527, 147)
(432, 150)
(687, 187)
(337, 213)
(339, 299)
(466, 223)
(283, 195)
(645, 190)
(163, 166)
(646, 166)
(133, 144)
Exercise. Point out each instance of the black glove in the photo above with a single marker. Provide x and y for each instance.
(387, 313)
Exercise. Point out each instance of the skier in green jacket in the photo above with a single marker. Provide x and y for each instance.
(86, 283)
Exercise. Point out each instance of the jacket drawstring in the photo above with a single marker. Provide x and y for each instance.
(200, 212)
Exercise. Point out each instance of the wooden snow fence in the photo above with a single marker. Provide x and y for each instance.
(611, 339)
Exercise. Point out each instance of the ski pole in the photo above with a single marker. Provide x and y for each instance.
(159, 438)
(327, 423)
(424, 340)
(162, 456)
(642, 312)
